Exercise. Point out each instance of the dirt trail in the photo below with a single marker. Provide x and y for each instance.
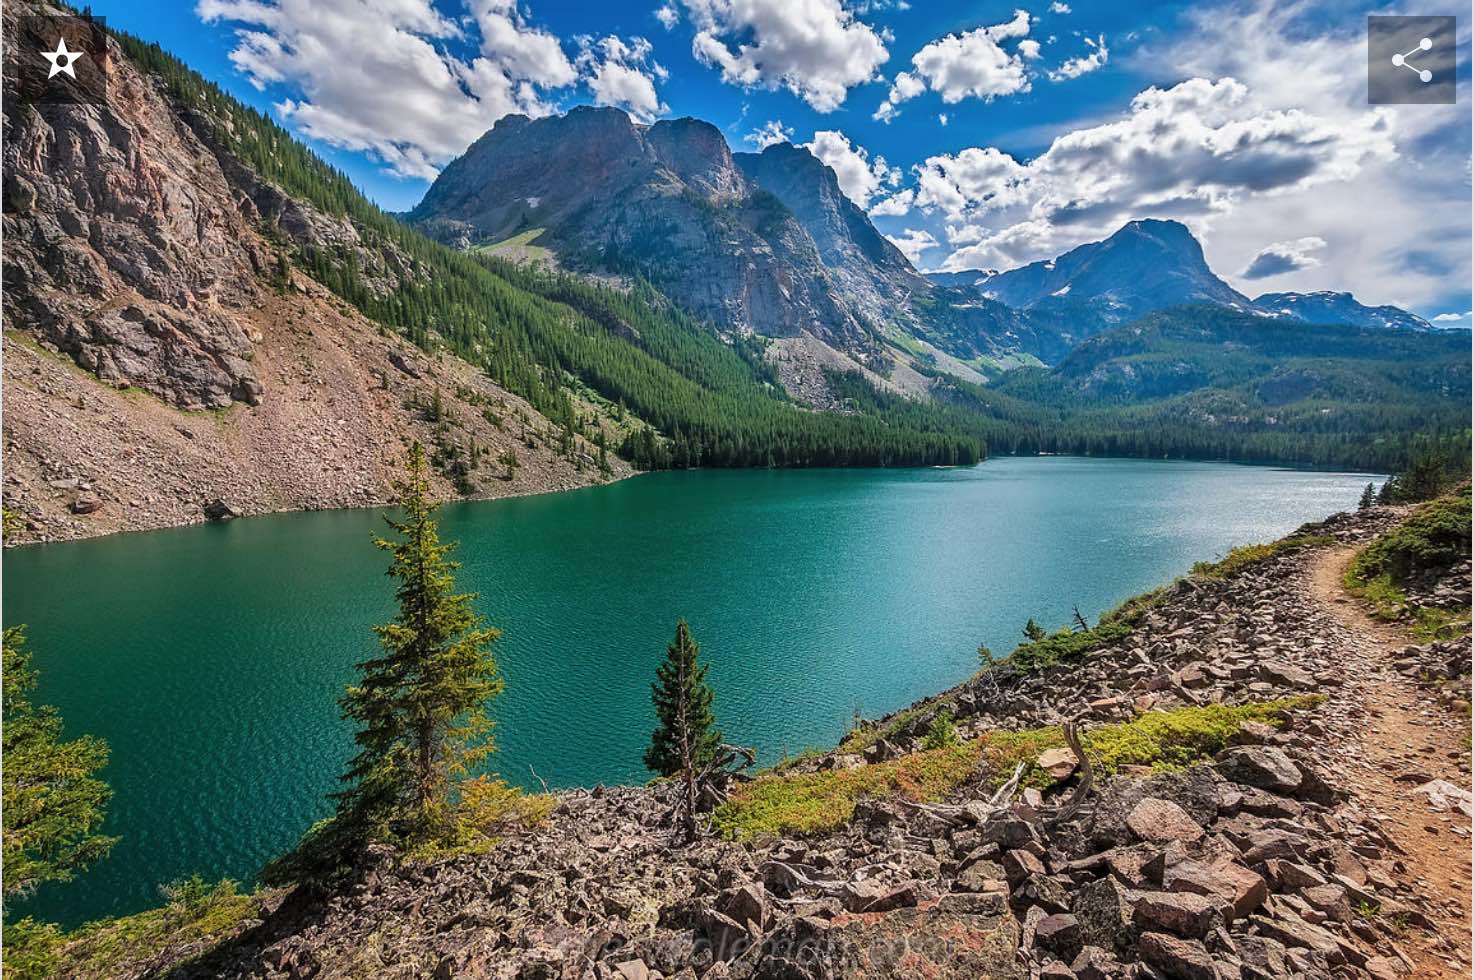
(1408, 739)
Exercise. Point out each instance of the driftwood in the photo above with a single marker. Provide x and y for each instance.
(954, 814)
(1071, 730)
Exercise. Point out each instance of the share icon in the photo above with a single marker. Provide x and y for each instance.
(1400, 60)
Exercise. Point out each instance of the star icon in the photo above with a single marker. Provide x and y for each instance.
(61, 59)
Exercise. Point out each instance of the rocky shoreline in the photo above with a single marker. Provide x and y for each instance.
(1299, 847)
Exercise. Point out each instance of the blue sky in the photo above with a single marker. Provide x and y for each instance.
(978, 135)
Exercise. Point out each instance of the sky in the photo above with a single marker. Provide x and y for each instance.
(977, 135)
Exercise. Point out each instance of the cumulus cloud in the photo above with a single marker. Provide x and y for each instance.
(816, 49)
(1453, 317)
(668, 15)
(1059, 8)
(1086, 63)
(375, 76)
(974, 64)
(771, 132)
(622, 74)
(1190, 151)
(1277, 258)
(895, 206)
(913, 243)
(860, 177)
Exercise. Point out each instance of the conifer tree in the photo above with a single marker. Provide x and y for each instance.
(53, 802)
(1033, 632)
(687, 738)
(1368, 497)
(421, 706)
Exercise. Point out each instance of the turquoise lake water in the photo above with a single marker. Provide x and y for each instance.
(211, 657)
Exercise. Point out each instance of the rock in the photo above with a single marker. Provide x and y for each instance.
(1019, 865)
(1383, 968)
(1059, 763)
(1443, 796)
(219, 510)
(1160, 821)
(1180, 959)
(632, 970)
(728, 937)
(1292, 931)
(1330, 900)
(1103, 909)
(1282, 674)
(1252, 733)
(748, 904)
(86, 503)
(1240, 890)
(1055, 970)
(1059, 933)
(968, 903)
(1261, 766)
(1184, 913)
(982, 876)
(1094, 963)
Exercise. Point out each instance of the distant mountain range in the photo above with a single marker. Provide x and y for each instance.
(767, 243)
(1151, 265)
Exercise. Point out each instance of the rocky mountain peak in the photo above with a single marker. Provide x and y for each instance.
(698, 154)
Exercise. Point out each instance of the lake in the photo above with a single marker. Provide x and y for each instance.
(211, 657)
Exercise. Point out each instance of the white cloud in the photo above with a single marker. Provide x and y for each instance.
(374, 76)
(912, 243)
(1453, 317)
(1192, 151)
(1059, 8)
(1416, 197)
(668, 15)
(859, 177)
(895, 206)
(1277, 258)
(816, 49)
(771, 132)
(973, 64)
(622, 74)
(942, 118)
(1098, 55)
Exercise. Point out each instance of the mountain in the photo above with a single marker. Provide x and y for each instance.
(1333, 307)
(755, 243)
(1147, 265)
(164, 363)
(1150, 265)
(203, 318)
(666, 200)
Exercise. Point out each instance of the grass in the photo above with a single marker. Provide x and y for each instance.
(815, 802)
(1249, 555)
(197, 915)
(1073, 644)
(1434, 537)
(868, 733)
(488, 809)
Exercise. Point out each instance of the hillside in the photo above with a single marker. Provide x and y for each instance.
(203, 261)
(164, 363)
(1229, 812)
(1201, 380)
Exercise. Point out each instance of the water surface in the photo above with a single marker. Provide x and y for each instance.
(211, 657)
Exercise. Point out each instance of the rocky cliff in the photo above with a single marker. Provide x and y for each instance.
(162, 356)
(1273, 791)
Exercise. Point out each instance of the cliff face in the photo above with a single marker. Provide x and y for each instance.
(160, 356)
(666, 201)
(124, 248)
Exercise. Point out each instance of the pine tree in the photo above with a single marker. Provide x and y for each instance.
(1368, 497)
(421, 706)
(687, 738)
(1033, 632)
(53, 803)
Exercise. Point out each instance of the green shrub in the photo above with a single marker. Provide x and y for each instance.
(943, 732)
(1434, 537)
(1249, 555)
